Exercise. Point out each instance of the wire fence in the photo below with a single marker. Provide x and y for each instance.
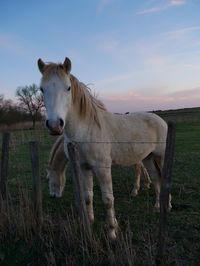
(137, 213)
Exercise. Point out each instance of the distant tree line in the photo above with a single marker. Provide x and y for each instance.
(28, 107)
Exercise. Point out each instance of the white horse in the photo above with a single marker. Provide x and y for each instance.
(102, 138)
(57, 165)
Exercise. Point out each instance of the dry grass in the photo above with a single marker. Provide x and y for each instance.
(61, 241)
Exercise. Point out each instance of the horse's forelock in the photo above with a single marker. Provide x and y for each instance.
(53, 69)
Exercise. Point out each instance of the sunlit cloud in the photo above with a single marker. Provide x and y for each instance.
(151, 10)
(157, 60)
(132, 102)
(193, 66)
(177, 34)
(161, 7)
(196, 43)
(177, 2)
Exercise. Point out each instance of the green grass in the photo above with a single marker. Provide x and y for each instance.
(135, 215)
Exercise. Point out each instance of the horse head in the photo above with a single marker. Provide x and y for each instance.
(56, 88)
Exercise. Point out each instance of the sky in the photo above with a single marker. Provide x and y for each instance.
(135, 55)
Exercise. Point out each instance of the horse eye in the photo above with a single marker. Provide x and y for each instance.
(69, 88)
(41, 89)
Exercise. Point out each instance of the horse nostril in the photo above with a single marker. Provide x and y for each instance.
(47, 123)
(61, 122)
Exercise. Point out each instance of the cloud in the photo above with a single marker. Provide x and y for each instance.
(157, 60)
(196, 43)
(103, 4)
(114, 79)
(108, 46)
(177, 2)
(162, 7)
(10, 44)
(193, 66)
(151, 10)
(177, 34)
(5, 40)
(134, 101)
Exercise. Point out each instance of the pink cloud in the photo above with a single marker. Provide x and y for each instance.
(132, 102)
(157, 60)
(193, 66)
(177, 2)
(165, 6)
(151, 10)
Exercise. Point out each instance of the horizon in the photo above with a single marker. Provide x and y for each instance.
(138, 56)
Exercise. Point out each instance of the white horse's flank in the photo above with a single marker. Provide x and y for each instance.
(57, 165)
(102, 138)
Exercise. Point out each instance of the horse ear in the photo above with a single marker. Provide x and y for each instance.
(67, 65)
(41, 65)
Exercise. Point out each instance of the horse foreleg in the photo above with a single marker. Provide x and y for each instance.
(105, 182)
(88, 193)
(56, 182)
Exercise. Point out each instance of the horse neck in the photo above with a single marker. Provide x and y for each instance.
(74, 124)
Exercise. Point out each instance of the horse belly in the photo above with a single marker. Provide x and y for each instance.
(129, 154)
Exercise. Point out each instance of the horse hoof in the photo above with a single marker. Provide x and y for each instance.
(134, 193)
(112, 235)
(53, 196)
(157, 208)
(91, 218)
(169, 208)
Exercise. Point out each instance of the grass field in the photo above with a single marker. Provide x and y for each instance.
(60, 240)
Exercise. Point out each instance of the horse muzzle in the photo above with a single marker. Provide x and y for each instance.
(55, 127)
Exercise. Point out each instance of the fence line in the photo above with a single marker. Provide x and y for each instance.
(165, 190)
(4, 165)
(78, 188)
(77, 181)
(36, 179)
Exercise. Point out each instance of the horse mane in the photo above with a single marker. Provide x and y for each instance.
(85, 103)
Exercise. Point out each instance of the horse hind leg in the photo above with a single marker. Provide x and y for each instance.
(159, 162)
(136, 187)
(140, 170)
(147, 180)
(154, 169)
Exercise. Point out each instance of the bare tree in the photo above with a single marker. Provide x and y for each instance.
(1, 100)
(31, 100)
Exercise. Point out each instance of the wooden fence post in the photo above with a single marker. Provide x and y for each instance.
(78, 187)
(165, 189)
(36, 181)
(4, 165)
